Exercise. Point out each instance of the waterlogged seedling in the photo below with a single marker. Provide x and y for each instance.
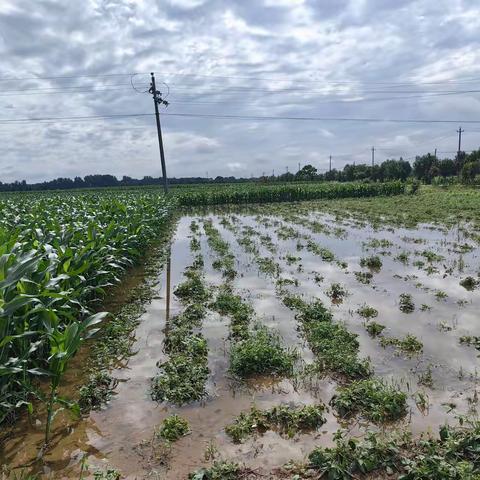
(471, 340)
(410, 345)
(403, 257)
(469, 283)
(262, 353)
(406, 304)
(173, 428)
(286, 419)
(367, 312)
(374, 329)
(97, 391)
(335, 348)
(221, 470)
(374, 263)
(108, 474)
(364, 277)
(373, 399)
(337, 292)
(440, 295)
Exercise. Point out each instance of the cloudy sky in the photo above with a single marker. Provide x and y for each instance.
(323, 59)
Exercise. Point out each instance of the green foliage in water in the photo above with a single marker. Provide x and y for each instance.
(97, 391)
(374, 263)
(221, 470)
(284, 418)
(335, 348)
(261, 353)
(173, 428)
(373, 399)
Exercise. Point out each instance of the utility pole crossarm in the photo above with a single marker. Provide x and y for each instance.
(157, 99)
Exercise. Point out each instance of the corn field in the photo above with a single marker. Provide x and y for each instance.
(251, 193)
(58, 254)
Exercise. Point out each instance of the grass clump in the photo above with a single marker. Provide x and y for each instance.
(221, 470)
(97, 391)
(367, 312)
(261, 353)
(173, 428)
(409, 344)
(375, 329)
(286, 419)
(372, 399)
(405, 303)
(373, 262)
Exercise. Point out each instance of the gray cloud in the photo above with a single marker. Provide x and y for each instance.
(351, 58)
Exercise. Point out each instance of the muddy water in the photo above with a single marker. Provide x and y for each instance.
(121, 435)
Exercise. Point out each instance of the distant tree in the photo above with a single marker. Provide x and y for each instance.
(422, 167)
(469, 170)
(446, 167)
(308, 172)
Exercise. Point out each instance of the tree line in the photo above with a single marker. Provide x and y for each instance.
(426, 168)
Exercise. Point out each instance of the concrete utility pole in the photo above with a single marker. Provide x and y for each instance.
(157, 99)
(330, 163)
(459, 131)
(373, 156)
(435, 154)
(298, 166)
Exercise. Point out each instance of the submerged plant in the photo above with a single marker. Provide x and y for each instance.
(173, 428)
(287, 419)
(372, 399)
(367, 312)
(336, 292)
(469, 283)
(409, 344)
(221, 470)
(374, 329)
(97, 391)
(406, 304)
(261, 353)
(374, 263)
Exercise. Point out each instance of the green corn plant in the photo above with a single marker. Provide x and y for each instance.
(64, 344)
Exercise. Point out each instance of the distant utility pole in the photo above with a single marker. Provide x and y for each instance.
(373, 156)
(330, 163)
(286, 168)
(459, 131)
(435, 154)
(298, 166)
(157, 99)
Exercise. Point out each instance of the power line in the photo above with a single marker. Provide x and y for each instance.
(241, 117)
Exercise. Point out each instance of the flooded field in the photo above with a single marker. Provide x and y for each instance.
(408, 295)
